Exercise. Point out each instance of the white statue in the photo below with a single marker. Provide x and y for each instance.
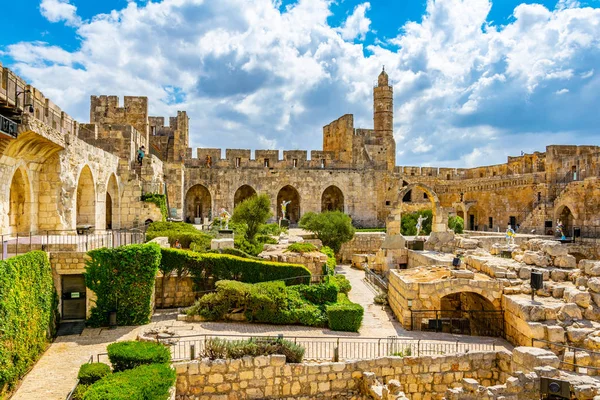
(510, 235)
(225, 216)
(284, 205)
(420, 224)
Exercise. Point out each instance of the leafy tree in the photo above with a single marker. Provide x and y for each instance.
(409, 223)
(252, 213)
(333, 228)
(456, 223)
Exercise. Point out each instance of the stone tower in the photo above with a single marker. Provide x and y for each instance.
(383, 116)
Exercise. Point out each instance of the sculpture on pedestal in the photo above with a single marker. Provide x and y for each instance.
(225, 216)
(419, 225)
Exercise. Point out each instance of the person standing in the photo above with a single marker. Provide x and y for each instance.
(140, 154)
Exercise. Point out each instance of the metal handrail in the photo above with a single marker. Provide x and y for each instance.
(72, 392)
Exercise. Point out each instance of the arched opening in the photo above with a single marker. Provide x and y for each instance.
(243, 193)
(408, 196)
(565, 215)
(112, 203)
(19, 210)
(198, 204)
(86, 199)
(292, 213)
(439, 220)
(579, 256)
(332, 199)
(472, 221)
(471, 314)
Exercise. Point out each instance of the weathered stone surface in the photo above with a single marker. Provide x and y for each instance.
(582, 299)
(566, 261)
(554, 248)
(578, 334)
(590, 267)
(569, 311)
(594, 284)
(555, 334)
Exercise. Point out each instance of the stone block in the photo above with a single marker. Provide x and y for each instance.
(594, 284)
(554, 248)
(569, 311)
(582, 299)
(590, 267)
(555, 334)
(566, 261)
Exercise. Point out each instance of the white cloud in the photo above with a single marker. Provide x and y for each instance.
(357, 25)
(251, 75)
(60, 10)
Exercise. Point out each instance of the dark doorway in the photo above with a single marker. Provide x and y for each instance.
(472, 222)
(513, 222)
(73, 297)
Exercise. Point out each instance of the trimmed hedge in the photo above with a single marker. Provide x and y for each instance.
(188, 235)
(319, 294)
(131, 354)
(92, 372)
(147, 382)
(123, 280)
(301, 248)
(342, 283)
(329, 268)
(234, 252)
(345, 315)
(216, 348)
(268, 302)
(28, 314)
(207, 268)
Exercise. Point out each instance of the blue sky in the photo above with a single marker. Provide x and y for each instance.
(474, 80)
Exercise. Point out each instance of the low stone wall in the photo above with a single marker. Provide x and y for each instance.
(177, 292)
(314, 261)
(362, 243)
(263, 377)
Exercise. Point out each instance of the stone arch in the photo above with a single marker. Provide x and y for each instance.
(20, 202)
(477, 315)
(244, 192)
(439, 223)
(112, 203)
(332, 199)
(85, 198)
(198, 204)
(492, 296)
(289, 193)
(566, 214)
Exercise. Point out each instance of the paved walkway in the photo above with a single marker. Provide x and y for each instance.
(55, 373)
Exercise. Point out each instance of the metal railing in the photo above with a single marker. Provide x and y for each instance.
(465, 322)
(72, 392)
(376, 280)
(67, 240)
(330, 348)
(560, 349)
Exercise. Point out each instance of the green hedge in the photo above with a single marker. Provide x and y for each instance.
(329, 268)
(319, 294)
(234, 252)
(28, 314)
(160, 200)
(301, 248)
(217, 348)
(207, 268)
(131, 354)
(268, 302)
(147, 382)
(189, 237)
(92, 372)
(342, 283)
(345, 315)
(123, 280)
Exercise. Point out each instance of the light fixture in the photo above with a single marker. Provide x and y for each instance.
(409, 303)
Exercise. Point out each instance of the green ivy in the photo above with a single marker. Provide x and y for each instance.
(123, 280)
(28, 314)
(160, 200)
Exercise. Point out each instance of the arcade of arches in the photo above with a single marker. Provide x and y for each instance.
(198, 203)
(243, 193)
(86, 198)
(289, 193)
(332, 199)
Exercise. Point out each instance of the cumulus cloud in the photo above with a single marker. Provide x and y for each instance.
(251, 74)
(357, 24)
(60, 10)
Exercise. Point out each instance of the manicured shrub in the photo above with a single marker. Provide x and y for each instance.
(333, 228)
(329, 268)
(319, 294)
(160, 200)
(123, 280)
(189, 237)
(147, 382)
(131, 354)
(207, 268)
(80, 391)
(345, 315)
(234, 252)
(216, 348)
(301, 248)
(28, 314)
(92, 372)
(342, 283)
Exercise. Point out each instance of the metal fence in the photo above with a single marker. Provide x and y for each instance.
(465, 322)
(331, 348)
(68, 240)
(570, 355)
(376, 280)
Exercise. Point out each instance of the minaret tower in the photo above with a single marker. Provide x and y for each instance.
(383, 117)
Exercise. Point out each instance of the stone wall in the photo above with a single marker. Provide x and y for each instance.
(263, 377)
(177, 292)
(362, 243)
